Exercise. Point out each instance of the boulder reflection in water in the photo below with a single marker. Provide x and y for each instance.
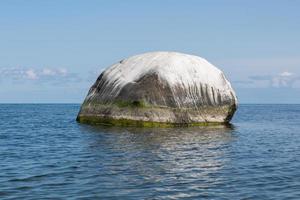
(186, 159)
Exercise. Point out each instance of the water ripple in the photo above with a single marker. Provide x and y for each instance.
(45, 154)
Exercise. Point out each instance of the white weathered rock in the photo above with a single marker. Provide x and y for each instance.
(160, 87)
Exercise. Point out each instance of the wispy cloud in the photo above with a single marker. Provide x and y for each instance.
(263, 72)
(283, 79)
(41, 75)
(31, 74)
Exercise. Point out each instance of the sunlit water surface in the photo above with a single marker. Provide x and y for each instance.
(45, 154)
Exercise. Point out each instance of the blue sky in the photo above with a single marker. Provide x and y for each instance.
(52, 51)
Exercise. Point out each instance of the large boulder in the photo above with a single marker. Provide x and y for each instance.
(160, 89)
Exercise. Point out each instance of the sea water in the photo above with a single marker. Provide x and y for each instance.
(46, 154)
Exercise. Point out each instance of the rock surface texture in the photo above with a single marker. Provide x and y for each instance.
(160, 89)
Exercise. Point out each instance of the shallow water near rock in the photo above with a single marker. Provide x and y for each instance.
(45, 153)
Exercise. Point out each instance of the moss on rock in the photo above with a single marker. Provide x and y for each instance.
(106, 121)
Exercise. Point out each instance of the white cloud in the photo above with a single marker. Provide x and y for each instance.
(31, 74)
(54, 75)
(283, 79)
(62, 71)
(257, 68)
(286, 74)
(48, 72)
(54, 72)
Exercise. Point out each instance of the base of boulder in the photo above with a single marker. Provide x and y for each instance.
(98, 120)
(153, 116)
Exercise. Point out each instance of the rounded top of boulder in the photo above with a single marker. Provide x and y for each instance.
(173, 67)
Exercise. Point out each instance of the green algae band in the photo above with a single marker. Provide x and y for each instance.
(95, 120)
(160, 89)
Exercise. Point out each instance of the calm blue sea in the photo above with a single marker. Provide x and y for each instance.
(45, 154)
